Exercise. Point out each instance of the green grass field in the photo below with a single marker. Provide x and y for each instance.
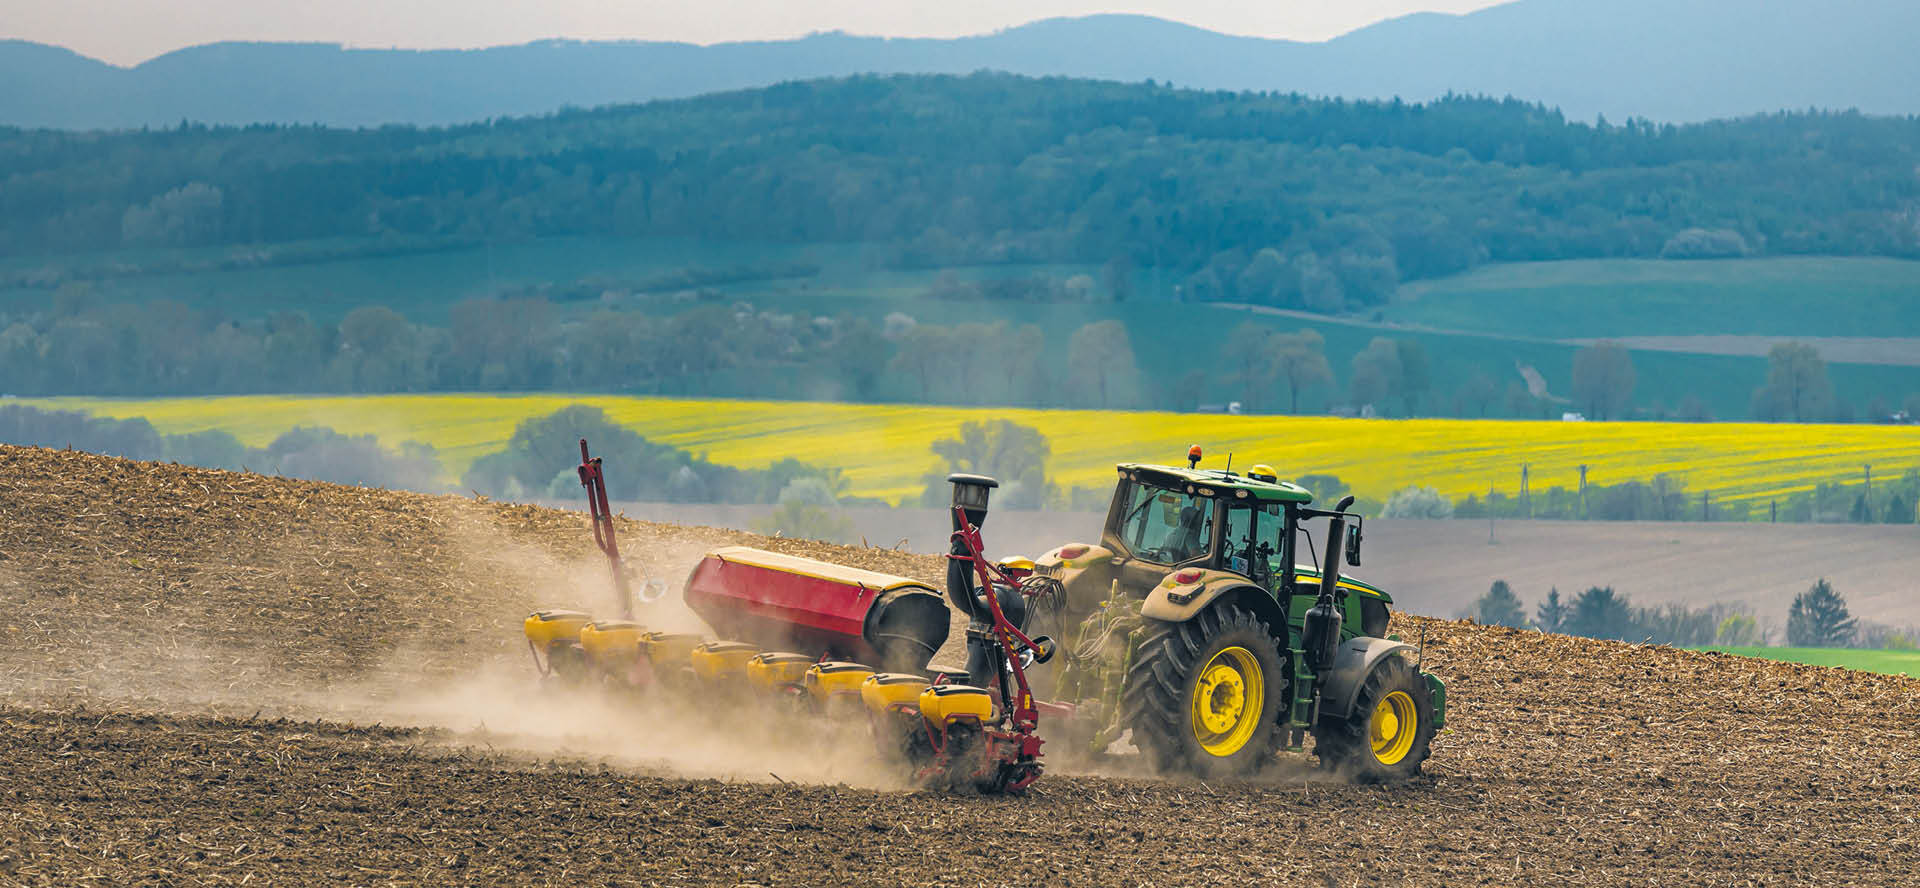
(1170, 339)
(1799, 296)
(1887, 662)
(1512, 311)
(423, 286)
(1805, 296)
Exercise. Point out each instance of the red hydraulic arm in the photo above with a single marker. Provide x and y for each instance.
(596, 486)
(1023, 740)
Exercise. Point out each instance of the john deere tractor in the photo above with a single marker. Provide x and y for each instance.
(1195, 630)
(1206, 638)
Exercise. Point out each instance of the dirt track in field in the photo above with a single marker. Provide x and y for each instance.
(212, 678)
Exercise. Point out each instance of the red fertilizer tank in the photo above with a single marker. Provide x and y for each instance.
(787, 602)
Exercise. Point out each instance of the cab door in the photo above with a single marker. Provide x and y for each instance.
(1253, 547)
(1161, 531)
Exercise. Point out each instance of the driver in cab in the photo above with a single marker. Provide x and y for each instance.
(1189, 539)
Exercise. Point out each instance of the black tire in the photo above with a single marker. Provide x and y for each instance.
(1158, 702)
(1347, 746)
(567, 665)
(900, 738)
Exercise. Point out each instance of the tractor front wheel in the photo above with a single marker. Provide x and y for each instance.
(1386, 735)
(1203, 696)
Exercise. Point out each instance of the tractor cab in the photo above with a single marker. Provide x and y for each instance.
(1166, 521)
(1163, 519)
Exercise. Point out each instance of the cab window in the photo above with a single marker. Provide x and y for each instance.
(1253, 543)
(1165, 526)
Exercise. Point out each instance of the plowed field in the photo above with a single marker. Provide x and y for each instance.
(214, 678)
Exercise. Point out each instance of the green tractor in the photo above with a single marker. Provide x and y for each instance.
(1201, 634)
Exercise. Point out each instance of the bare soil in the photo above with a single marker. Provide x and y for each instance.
(215, 678)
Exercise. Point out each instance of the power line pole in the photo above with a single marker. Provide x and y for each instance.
(1526, 493)
(1583, 492)
(1490, 539)
(1867, 516)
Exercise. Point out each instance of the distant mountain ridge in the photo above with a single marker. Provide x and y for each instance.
(1666, 60)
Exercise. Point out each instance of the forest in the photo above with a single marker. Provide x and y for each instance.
(1264, 198)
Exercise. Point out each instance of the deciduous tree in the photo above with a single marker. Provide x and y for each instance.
(1603, 380)
(1797, 388)
(1011, 453)
(1301, 361)
(1250, 353)
(1476, 395)
(1416, 374)
(1376, 373)
(1100, 364)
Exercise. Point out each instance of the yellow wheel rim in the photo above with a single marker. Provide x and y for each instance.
(1395, 721)
(1228, 698)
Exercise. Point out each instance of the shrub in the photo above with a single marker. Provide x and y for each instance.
(810, 510)
(322, 454)
(1703, 243)
(1417, 502)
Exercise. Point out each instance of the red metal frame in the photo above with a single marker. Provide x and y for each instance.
(1009, 746)
(596, 485)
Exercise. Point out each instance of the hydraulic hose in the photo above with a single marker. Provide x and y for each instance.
(961, 588)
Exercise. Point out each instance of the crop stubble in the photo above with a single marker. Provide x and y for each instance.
(193, 662)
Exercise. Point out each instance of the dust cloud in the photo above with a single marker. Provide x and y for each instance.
(666, 728)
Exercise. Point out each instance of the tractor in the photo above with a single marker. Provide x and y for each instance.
(1193, 633)
(1201, 635)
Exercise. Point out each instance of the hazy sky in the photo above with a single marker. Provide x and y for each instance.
(130, 31)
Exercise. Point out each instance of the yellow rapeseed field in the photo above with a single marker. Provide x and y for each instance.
(884, 448)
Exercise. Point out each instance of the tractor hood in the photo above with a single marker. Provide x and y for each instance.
(1311, 574)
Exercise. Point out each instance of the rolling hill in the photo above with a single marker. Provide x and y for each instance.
(1667, 61)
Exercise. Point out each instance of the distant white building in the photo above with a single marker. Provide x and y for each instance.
(1573, 417)
(1232, 407)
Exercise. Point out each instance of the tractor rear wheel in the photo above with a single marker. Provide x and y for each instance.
(1389, 730)
(1203, 696)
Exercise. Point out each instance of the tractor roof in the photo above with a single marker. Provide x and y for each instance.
(1218, 479)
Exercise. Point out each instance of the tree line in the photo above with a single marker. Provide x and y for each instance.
(1263, 198)
(1890, 499)
(313, 453)
(1818, 617)
(700, 342)
(537, 462)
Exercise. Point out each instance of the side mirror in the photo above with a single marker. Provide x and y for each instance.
(1353, 546)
